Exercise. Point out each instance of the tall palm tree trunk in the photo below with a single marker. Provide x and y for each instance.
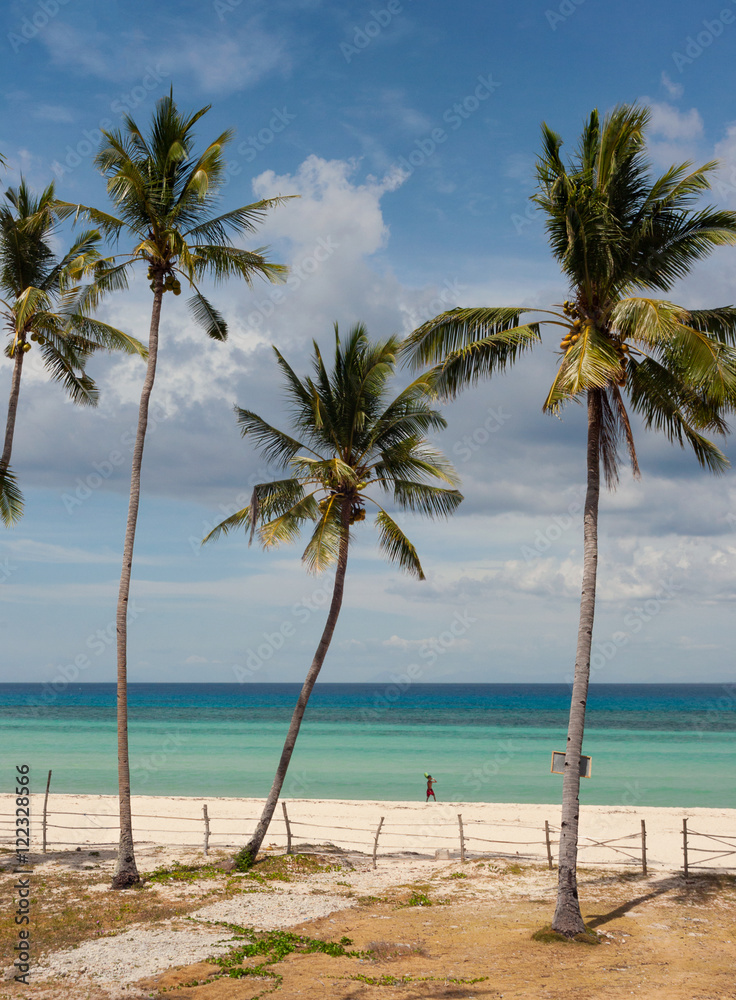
(126, 872)
(12, 408)
(568, 919)
(248, 854)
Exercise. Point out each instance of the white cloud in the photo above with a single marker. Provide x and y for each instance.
(217, 62)
(669, 123)
(672, 88)
(53, 113)
(674, 136)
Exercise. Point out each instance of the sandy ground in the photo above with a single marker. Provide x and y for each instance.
(489, 828)
(418, 929)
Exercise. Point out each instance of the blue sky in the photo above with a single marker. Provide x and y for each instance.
(410, 132)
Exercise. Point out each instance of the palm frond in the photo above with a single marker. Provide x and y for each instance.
(397, 548)
(591, 363)
(11, 498)
(209, 318)
(236, 222)
(458, 328)
(273, 444)
(323, 547)
(434, 501)
(669, 406)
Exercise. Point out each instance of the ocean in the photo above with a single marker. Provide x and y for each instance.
(650, 744)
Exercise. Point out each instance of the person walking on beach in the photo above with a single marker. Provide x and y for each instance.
(430, 791)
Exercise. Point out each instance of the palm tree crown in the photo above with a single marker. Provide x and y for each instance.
(350, 438)
(43, 302)
(617, 234)
(165, 195)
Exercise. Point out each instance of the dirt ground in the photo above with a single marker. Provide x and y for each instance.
(672, 942)
(468, 934)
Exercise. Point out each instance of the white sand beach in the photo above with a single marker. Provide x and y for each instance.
(504, 829)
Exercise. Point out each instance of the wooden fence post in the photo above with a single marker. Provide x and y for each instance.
(462, 837)
(375, 842)
(684, 845)
(206, 830)
(288, 829)
(45, 806)
(549, 845)
(643, 847)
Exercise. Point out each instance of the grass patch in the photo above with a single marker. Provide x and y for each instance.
(287, 867)
(418, 899)
(181, 873)
(547, 936)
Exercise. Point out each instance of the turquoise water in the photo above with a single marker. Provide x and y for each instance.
(667, 745)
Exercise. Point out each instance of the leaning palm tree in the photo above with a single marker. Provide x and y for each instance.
(165, 195)
(618, 234)
(43, 302)
(349, 438)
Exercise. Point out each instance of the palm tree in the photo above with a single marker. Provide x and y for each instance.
(165, 195)
(43, 303)
(350, 437)
(618, 234)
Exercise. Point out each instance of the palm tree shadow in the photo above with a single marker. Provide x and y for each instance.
(665, 886)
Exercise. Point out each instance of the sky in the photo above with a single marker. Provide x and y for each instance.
(409, 131)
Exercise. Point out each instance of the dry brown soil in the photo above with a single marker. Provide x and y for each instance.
(661, 937)
(680, 945)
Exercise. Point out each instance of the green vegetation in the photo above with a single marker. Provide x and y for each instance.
(182, 873)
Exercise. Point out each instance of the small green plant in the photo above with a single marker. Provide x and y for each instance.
(182, 873)
(274, 946)
(419, 899)
(458, 875)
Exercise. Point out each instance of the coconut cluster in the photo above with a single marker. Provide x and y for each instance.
(171, 284)
(572, 337)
